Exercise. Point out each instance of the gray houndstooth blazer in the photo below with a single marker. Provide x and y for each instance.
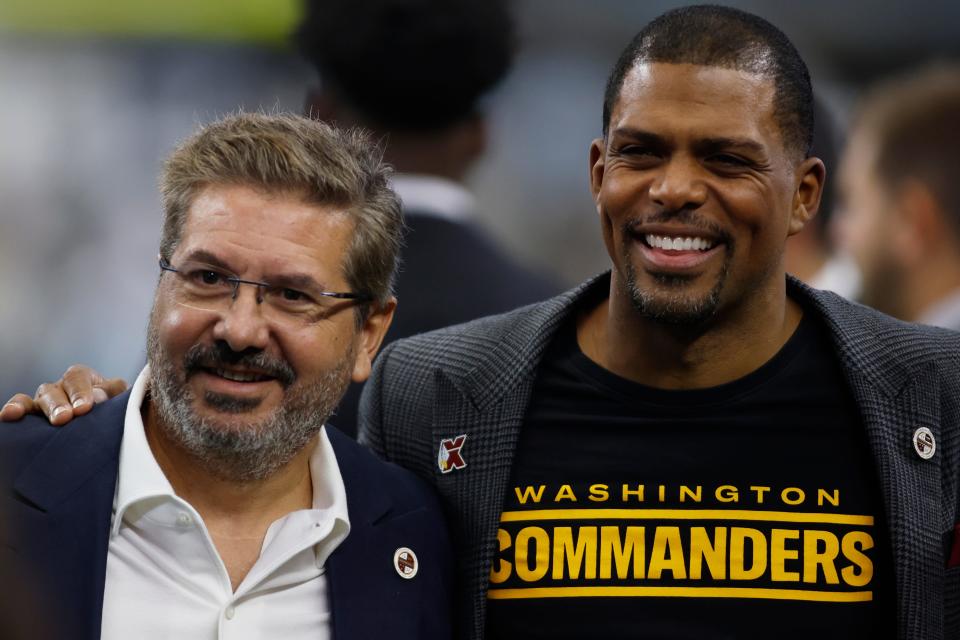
(477, 379)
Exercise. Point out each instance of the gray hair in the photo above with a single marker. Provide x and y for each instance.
(287, 153)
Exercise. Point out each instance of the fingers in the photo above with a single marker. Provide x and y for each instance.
(111, 387)
(77, 384)
(73, 395)
(54, 403)
(16, 407)
(85, 387)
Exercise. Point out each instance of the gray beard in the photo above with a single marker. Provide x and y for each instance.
(238, 450)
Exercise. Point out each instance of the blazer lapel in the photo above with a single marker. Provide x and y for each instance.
(476, 489)
(485, 406)
(63, 522)
(912, 495)
(367, 597)
(896, 399)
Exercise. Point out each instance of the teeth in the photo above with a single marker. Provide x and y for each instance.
(676, 243)
(239, 377)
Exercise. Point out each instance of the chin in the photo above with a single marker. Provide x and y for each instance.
(675, 300)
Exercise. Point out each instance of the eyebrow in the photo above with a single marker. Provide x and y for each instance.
(300, 281)
(709, 145)
(704, 145)
(211, 259)
(639, 135)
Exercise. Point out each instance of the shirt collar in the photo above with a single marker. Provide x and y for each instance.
(329, 497)
(433, 195)
(140, 477)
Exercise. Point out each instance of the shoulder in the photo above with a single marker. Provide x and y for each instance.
(367, 477)
(21, 441)
(489, 339)
(869, 339)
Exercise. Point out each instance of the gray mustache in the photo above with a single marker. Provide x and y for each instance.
(220, 356)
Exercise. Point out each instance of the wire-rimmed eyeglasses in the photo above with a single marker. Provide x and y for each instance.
(208, 287)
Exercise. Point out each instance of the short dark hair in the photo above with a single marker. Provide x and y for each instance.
(718, 36)
(912, 120)
(409, 65)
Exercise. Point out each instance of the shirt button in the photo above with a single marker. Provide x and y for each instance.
(229, 613)
(184, 519)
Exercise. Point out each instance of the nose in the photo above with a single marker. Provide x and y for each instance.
(242, 324)
(679, 185)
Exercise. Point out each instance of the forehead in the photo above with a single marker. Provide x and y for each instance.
(698, 101)
(254, 229)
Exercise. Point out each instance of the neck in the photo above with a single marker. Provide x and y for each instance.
(237, 515)
(737, 341)
(229, 504)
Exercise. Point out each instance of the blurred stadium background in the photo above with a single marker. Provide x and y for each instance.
(96, 92)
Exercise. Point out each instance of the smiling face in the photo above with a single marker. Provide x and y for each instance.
(240, 386)
(696, 192)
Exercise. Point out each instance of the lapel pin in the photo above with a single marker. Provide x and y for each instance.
(449, 457)
(923, 443)
(405, 562)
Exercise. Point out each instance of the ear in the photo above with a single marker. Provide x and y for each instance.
(597, 166)
(370, 337)
(811, 175)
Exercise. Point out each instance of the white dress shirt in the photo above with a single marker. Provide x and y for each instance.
(165, 578)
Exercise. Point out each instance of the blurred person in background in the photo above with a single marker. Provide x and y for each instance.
(812, 255)
(416, 73)
(900, 180)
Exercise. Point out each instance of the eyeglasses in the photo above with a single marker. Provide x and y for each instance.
(210, 288)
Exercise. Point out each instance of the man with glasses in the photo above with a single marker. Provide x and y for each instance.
(210, 500)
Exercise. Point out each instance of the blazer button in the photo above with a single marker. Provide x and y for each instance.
(923, 443)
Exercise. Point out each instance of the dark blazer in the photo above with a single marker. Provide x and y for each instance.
(450, 272)
(57, 489)
(477, 379)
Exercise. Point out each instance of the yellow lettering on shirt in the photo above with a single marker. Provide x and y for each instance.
(619, 553)
(501, 571)
(713, 552)
(860, 573)
(667, 554)
(738, 560)
(570, 556)
(599, 493)
(820, 551)
(779, 554)
(529, 493)
(540, 557)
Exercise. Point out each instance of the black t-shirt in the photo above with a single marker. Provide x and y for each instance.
(747, 510)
